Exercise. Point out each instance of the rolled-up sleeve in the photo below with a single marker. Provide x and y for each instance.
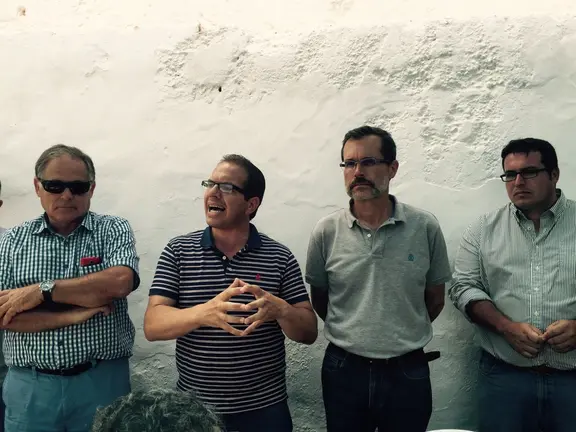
(316, 274)
(121, 249)
(467, 285)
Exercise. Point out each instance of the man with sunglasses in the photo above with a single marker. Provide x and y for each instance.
(515, 279)
(64, 279)
(377, 271)
(229, 295)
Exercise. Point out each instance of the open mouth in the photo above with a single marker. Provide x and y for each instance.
(215, 209)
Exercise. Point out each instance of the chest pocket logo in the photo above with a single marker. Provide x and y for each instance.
(410, 257)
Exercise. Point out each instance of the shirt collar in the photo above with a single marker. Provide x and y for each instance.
(254, 239)
(398, 212)
(40, 224)
(556, 210)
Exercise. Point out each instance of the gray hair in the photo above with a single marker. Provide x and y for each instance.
(59, 150)
(157, 410)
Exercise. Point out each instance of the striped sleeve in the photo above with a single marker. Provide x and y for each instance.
(121, 248)
(467, 283)
(292, 287)
(6, 273)
(166, 282)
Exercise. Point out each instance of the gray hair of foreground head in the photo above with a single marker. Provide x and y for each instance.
(157, 410)
(59, 150)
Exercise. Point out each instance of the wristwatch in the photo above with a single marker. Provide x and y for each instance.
(46, 288)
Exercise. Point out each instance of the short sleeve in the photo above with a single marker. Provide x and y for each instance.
(292, 288)
(166, 282)
(6, 272)
(316, 274)
(121, 249)
(439, 271)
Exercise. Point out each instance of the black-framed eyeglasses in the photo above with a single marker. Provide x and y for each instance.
(364, 162)
(59, 186)
(526, 173)
(224, 187)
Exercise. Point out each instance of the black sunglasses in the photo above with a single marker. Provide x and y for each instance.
(59, 186)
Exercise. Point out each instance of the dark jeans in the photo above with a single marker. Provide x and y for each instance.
(361, 395)
(513, 399)
(275, 418)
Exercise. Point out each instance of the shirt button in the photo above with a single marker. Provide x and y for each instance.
(224, 258)
(536, 313)
(535, 289)
(369, 235)
(537, 267)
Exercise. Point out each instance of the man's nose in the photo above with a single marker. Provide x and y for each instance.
(358, 170)
(519, 180)
(67, 195)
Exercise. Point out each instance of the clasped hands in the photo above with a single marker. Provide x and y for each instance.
(268, 306)
(529, 340)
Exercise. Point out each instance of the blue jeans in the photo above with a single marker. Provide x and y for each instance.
(361, 394)
(38, 402)
(513, 399)
(274, 418)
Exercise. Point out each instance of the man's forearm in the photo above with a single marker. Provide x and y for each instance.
(434, 309)
(95, 289)
(485, 314)
(164, 322)
(300, 324)
(38, 321)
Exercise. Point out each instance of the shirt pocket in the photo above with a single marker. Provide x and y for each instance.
(94, 268)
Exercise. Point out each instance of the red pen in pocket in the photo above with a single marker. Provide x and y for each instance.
(88, 261)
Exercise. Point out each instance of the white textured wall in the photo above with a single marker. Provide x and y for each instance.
(136, 85)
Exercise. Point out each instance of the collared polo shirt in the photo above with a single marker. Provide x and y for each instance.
(32, 252)
(375, 279)
(529, 276)
(234, 374)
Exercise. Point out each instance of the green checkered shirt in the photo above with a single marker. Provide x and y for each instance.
(31, 253)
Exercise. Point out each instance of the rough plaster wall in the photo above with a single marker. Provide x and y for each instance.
(157, 92)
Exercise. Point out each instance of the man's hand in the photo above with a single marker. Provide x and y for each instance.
(214, 314)
(524, 338)
(18, 300)
(561, 335)
(80, 315)
(270, 307)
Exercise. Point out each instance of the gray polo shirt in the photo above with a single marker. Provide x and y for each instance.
(376, 279)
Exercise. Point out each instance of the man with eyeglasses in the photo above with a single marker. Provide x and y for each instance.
(377, 271)
(515, 279)
(64, 279)
(229, 295)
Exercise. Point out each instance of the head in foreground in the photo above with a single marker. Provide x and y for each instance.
(156, 411)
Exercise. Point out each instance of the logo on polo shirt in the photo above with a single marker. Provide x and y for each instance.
(410, 257)
(258, 276)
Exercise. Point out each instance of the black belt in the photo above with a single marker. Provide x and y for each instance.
(416, 354)
(76, 370)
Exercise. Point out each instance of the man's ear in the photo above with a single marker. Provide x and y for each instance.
(1, 202)
(253, 204)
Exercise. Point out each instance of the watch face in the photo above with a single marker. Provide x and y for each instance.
(47, 285)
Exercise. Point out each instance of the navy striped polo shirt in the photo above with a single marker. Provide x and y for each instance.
(233, 374)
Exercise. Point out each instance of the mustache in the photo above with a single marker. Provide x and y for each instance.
(361, 181)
